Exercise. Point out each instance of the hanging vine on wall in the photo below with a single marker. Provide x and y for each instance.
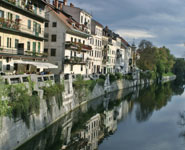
(23, 103)
(53, 90)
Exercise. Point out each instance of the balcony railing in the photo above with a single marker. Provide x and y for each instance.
(13, 51)
(25, 5)
(14, 25)
(18, 27)
(77, 46)
(75, 60)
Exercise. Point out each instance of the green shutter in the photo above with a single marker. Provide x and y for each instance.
(39, 47)
(16, 43)
(29, 24)
(34, 48)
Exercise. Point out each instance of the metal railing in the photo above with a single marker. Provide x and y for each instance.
(16, 25)
(77, 46)
(14, 51)
(24, 5)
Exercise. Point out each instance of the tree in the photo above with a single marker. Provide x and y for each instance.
(179, 68)
(145, 44)
(155, 59)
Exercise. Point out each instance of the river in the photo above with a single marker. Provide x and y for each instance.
(145, 118)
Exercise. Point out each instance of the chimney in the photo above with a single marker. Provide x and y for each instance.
(71, 5)
(60, 5)
(65, 2)
(55, 3)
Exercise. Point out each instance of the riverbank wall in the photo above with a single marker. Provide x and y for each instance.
(15, 132)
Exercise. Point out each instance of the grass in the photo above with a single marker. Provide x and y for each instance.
(168, 74)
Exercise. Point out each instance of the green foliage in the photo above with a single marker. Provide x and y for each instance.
(101, 82)
(54, 90)
(128, 77)
(118, 75)
(112, 77)
(145, 44)
(23, 102)
(80, 83)
(102, 77)
(148, 75)
(168, 74)
(179, 68)
(156, 59)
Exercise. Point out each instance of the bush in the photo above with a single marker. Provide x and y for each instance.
(128, 77)
(118, 76)
(112, 78)
(102, 77)
(101, 82)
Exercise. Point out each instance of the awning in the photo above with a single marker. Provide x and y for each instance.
(44, 65)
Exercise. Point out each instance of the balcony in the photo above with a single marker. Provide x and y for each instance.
(75, 60)
(13, 25)
(77, 46)
(20, 52)
(26, 8)
(18, 28)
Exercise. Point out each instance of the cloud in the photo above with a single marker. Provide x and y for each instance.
(180, 45)
(161, 23)
(135, 34)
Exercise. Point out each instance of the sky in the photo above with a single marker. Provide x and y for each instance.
(160, 21)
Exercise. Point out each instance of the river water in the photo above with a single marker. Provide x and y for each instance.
(144, 118)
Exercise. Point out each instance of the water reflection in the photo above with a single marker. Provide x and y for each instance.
(87, 127)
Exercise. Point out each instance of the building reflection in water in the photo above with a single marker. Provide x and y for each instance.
(86, 127)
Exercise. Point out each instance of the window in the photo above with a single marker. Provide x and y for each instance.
(84, 42)
(71, 39)
(81, 67)
(39, 28)
(46, 51)
(54, 24)
(16, 43)
(0, 40)
(46, 24)
(53, 52)
(1, 14)
(10, 16)
(82, 19)
(34, 47)
(53, 37)
(71, 68)
(7, 67)
(38, 47)
(28, 46)
(75, 40)
(79, 41)
(9, 42)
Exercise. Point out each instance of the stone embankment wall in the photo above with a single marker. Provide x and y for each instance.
(14, 133)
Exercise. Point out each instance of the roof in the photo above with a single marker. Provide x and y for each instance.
(97, 23)
(124, 41)
(74, 7)
(67, 20)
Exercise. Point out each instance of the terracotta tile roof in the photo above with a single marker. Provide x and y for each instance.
(124, 41)
(97, 23)
(66, 19)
